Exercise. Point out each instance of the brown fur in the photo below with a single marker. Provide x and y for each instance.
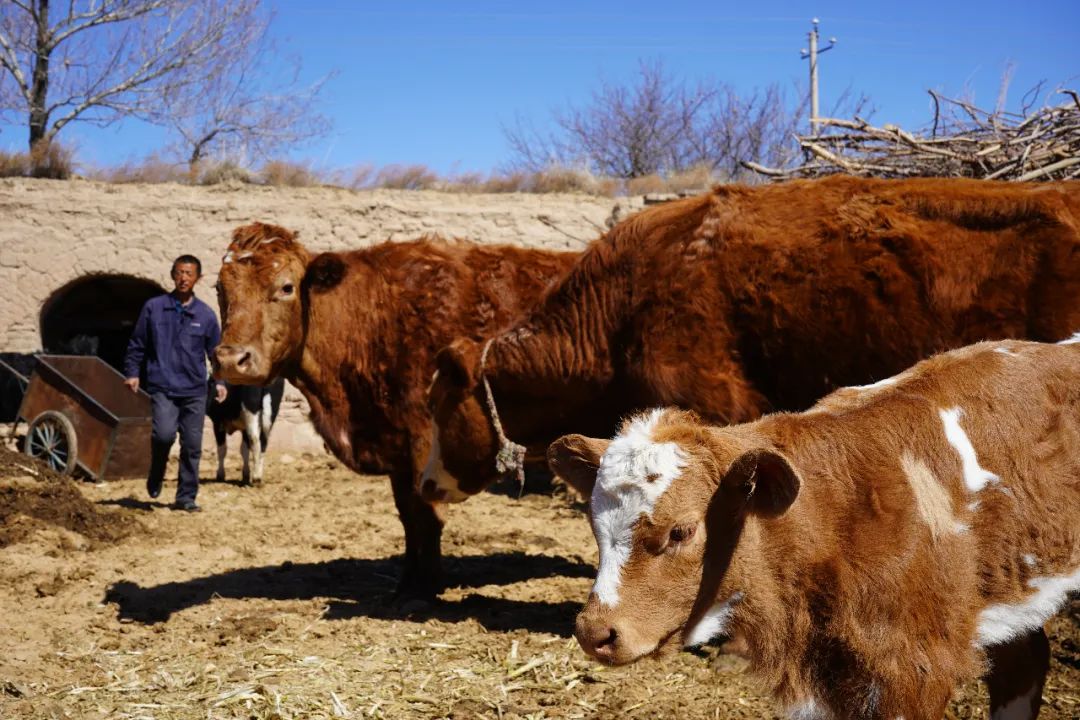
(752, 299)
(357, 335)
(858, 594)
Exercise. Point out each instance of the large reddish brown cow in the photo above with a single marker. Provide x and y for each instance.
(357, 333)
(872, 553)
(750, 299)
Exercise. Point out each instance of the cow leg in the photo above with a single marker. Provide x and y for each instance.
(260, 460)
(266, 419)
(250, 444)
(251, 432)
(219, 438)
(245, 452)
(421, 575)
(1016, 676)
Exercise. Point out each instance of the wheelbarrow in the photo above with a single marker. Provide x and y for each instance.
(79, 414)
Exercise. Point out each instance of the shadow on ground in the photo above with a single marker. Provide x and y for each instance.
(131, 503)
(364, 588)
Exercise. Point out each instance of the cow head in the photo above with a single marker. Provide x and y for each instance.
(464, 445)
(668, 497)
(259, 294)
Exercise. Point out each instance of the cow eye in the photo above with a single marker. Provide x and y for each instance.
(287, 289)
(681, 533)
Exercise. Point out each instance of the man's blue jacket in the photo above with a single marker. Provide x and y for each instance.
(174, 341)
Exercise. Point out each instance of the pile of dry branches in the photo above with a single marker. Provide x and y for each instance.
(964, 141)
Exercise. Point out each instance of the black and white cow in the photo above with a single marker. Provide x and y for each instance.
(251, 410)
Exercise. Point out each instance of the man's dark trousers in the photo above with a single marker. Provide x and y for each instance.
(188, 415)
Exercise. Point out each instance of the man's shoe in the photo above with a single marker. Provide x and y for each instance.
(153, 489)
(187, 506)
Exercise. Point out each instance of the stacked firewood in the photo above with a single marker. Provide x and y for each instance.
(963, 141)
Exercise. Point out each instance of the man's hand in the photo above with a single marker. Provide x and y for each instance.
(222, 392)
(133, 383)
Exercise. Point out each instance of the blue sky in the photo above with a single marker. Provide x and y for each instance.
(433, 82)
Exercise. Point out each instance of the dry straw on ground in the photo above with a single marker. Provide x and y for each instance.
(276, 603)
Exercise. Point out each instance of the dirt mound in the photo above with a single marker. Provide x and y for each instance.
(32, 496)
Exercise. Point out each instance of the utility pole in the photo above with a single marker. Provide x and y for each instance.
(812, 54)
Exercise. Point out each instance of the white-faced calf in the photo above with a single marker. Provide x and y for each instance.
(872, 553)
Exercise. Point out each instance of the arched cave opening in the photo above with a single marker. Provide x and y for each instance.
(94, 315)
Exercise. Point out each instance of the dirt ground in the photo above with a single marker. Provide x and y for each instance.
(275, 602)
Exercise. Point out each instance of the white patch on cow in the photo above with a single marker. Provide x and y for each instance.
(1002, 622)
(1074, 340)
(931, 499)
(875, 386)
(809, 710)
(266, 417)
(1030, 560)
(343, 438)
(269, 240)
(634, 472)
(251, 435)
(714, 622)
(975, 477)
(1019, 708)
(1006, 351)
(436, 472)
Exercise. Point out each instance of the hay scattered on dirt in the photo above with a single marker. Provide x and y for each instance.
(277, 602)
(32, 496)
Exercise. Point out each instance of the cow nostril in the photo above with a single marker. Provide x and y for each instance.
(244, 360)
(608, 643)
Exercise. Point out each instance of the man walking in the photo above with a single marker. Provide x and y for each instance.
(173, 337)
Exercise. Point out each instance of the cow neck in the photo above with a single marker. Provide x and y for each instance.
(776, 564)
(339, 330)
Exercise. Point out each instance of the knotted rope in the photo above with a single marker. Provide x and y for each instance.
(511, 456)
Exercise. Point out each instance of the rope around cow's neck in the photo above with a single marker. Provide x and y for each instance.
(511, 456)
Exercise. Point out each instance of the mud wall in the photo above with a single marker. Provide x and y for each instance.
(54, 232)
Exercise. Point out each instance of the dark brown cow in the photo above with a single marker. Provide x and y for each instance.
(357, 333)
(872, 553)
(746, 299)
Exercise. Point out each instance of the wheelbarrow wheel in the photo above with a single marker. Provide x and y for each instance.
(51, 439)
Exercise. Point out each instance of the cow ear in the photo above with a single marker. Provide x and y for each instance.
(576, 459)
(456, 363)
(766, 479)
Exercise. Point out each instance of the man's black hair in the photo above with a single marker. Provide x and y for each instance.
(187, 260)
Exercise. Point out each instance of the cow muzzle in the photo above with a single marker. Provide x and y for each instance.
(599, 637)
(239, 364)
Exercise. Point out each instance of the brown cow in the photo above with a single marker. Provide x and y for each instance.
(357, 333)
(872, 553)
(753, 299)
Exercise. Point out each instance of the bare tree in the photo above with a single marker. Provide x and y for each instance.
(760, 124)
(658, 124)
(98, 61)
(624, 131)
(241, 112)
